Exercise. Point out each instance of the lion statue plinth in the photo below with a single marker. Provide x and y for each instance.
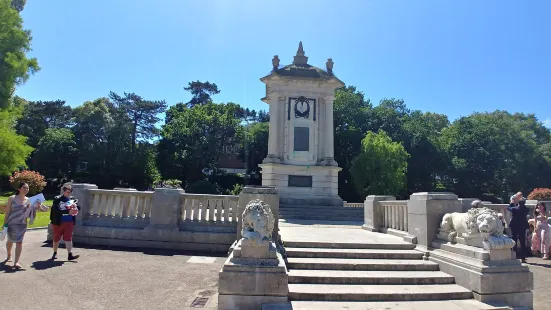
(480, 227)
(258, 222)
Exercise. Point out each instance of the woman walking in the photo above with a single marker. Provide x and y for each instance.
(540, 237)
(16, 220)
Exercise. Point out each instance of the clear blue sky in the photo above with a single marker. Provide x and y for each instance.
(451, 57)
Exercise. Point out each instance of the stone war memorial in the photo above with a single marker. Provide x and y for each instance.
(292, 243)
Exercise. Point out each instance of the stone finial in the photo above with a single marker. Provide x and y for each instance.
(275, 63)
(329, 65)
(300, 59)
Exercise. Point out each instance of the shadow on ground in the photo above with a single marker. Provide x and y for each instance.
(146, 251)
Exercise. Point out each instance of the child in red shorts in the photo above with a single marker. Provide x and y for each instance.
(62, 216)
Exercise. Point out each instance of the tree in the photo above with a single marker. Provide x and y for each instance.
(18, 5)
(194, 139)
(38, 116)
(254, 145)
(495, 154)
(426, 163)
(201, 92)
(143, 115)
(381, 167)
(56, 154)
(352, 121)
(13, 147)
(15, 42)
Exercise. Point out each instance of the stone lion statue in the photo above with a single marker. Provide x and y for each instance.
(258, 221)
(483, 223)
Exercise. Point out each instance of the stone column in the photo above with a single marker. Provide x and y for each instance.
(329, 129)
(373, 216)
(425, 212)
(165, 209)
(265, 193)
(273, 132)
(82, 193)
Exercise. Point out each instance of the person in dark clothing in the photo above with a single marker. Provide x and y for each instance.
(62, 217)
(519, 223)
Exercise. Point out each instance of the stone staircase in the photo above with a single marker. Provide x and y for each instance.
(318, 210)
(328, 275)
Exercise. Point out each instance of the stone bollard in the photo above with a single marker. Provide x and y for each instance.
(373, 216)
(254, 273)
(425, 212)
(267, 194)
(165, 209)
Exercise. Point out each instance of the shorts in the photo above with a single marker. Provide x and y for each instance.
(65, 229)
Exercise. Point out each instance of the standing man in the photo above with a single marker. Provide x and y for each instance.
(63, 220)
(519, 223)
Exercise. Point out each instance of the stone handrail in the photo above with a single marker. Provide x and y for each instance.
(120, 204)
(208, 208)
(395, 214)
(354, 204)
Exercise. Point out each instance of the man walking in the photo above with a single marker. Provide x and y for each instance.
(519, 223)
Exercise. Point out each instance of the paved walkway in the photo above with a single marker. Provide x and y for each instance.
(105, 278)
(108, 278)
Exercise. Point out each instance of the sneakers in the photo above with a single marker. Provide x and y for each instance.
(73, 257)
(54, 256)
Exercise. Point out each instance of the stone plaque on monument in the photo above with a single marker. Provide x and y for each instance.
(300, 181)
(302, 139)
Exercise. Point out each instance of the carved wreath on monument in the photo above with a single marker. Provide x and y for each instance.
(480, 227)
(304, 109)
(258, 221)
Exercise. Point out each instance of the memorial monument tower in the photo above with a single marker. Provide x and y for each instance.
(300, 161)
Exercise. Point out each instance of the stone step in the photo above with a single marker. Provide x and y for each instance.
(328, 292)
(315, 206)
(369, 277)
(311, 201)
(457, 304)
(401, 245)
(322, 210)
(323, 213)
(353, 253)
(360, 264)
(322, 217)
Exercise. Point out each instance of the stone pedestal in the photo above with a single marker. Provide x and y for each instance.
(320, 182)
(265, 193)
(253, 275)
(82, 193)
(165, 209)
(373, 216)
(494, 275)
(425, 212)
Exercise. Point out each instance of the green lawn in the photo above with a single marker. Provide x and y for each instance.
(42, 219)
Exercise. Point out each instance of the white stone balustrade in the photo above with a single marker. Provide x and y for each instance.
(120, 204)
(353, 204)
(395, 214)
(208, 208)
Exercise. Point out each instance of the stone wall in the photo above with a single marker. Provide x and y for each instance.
(164, 218)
